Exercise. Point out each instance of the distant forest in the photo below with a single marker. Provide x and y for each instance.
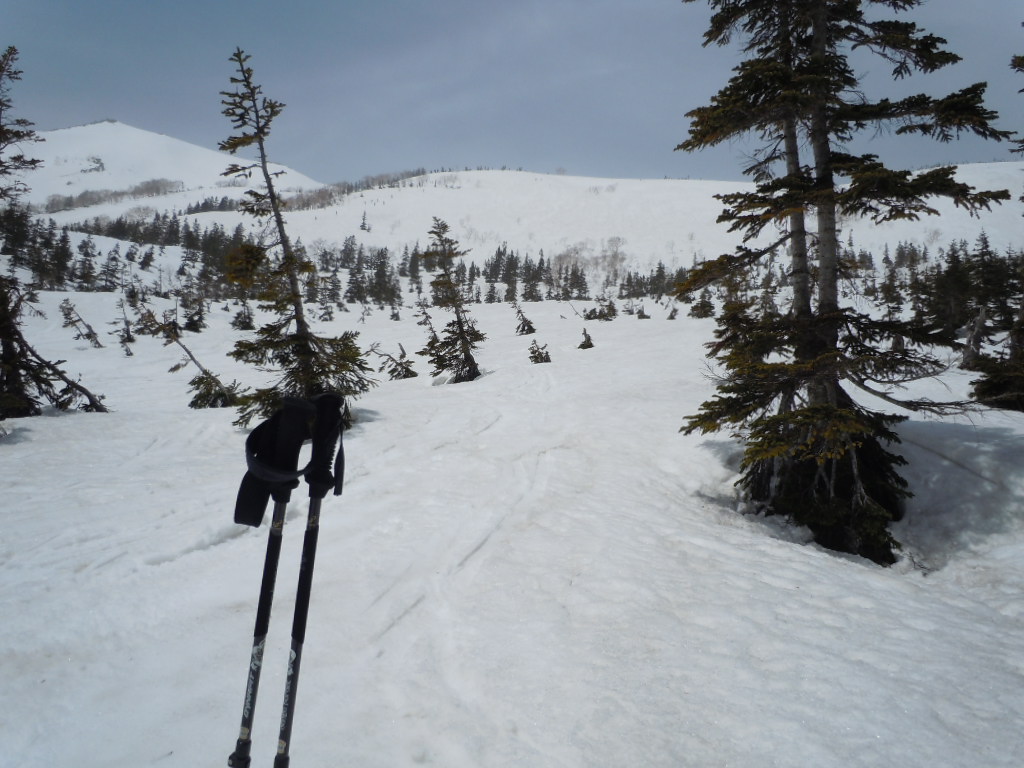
(948, 288)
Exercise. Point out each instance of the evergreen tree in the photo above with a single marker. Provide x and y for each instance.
(1002, 382)
(396, 367)
(605, 310)
(356, 290)
(704, 306)
(451, 351)
(307, 364)
(947, 300)
(27, 379)
(811, 451)
(85, 270)
(207, 388)
(72, 319)
(539, 354)
(15, 133)
(525, 326)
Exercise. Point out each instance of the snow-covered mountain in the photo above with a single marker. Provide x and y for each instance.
(113, 156)
(641, 221)
(531, 570)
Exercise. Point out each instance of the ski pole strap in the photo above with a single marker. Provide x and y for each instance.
(339, 464)
(272, 449)
(269, 473)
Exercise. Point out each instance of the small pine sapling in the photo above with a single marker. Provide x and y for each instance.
(539, 354)
(587, 342)
(395, 367)
(525, 327)
(72, 319)
(123, 331)
(452, 351)
(703, 307)
(605, 310)
(209, 391)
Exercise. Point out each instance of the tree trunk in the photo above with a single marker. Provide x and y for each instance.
(972, 346)
(827, 319)
(800, 273)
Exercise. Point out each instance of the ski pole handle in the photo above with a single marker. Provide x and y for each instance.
(326, 434)
(272, 457)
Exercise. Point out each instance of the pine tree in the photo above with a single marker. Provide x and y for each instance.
(72, 319)
(605, 310)
(452, 350)
(395, 367)
(27, 379)
(1001, 384)
(1002, 381)
(539, 354)
(307, 364)
(15, 133)
(811, 451)
(525, 326)
(704, 306)
(207, 388)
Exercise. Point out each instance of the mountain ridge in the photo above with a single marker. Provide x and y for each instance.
(637, 221)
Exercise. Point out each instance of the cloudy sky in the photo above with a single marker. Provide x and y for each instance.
(591, 87)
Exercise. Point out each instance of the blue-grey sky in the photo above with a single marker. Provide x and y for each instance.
(592, 87)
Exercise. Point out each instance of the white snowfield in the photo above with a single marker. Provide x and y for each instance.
(535, 569)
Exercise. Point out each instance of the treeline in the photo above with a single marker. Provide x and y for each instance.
(150, 188)
(964, 290)
(54, 263)
(308, 199)
(376, 277)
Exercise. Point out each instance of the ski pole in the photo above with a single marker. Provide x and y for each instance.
(272, 455)
(326, 432)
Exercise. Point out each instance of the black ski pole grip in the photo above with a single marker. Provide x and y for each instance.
(272, 458)
(326, 433)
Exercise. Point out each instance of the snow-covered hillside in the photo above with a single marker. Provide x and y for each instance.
(534, 569)
(113, 156)
(640, 222)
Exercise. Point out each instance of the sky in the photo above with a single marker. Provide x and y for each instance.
(586, 87)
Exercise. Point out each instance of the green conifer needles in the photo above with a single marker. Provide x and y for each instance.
(306, 364)
(811, 451)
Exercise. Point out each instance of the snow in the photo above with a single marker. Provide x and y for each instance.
(113, 156)
(532, 569)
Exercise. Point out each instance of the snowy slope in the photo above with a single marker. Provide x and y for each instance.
(646, 221)
(113, 156)
(641, 221)
(535, 569)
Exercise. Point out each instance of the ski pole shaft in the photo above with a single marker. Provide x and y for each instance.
(302, 598)
(319, 476)
(274, 447)
(240, 757)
